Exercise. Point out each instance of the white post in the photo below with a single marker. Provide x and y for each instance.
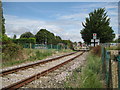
(51, 46)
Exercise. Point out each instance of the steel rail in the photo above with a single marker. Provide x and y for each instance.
(43, 73)
(5, 72)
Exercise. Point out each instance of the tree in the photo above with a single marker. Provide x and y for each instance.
(27, 35)
(44, 36)
(14, 37)
(98, 22)
(3, 27)
(80, 42)
(41, 36)
(116, 40)
(68, 43)
(75, 43)
(57, 40)
(3, 37)
(2, 19)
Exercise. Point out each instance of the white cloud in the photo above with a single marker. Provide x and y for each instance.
(74, 16)
(16, 25)
(94, 5)
(74, 36)
(111, 7)
(116, 36)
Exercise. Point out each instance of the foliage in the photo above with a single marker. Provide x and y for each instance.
(11, 51)
(6, 39)
(30, 55)
(14, 37)
(113, 47)
(40, 55)
(92, 73)
(27, 35)
(24, 40)
(68, 43)
(75, 43)
(43, 36)
(97, 50)
(3, 19)
(98, 22)
(57, 40)
(88, 76)
(116, 41)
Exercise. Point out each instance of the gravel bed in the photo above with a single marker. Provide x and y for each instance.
(22, 74)
(56, 78)
(114, 67)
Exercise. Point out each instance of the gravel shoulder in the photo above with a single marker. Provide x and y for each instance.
(57, 78)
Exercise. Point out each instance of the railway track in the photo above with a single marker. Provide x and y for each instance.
(23, 75)
(5, 72)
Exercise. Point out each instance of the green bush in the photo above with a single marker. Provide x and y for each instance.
(6, 40)
(114, 47)
(91, 74)
(11, 51)
(24, 40)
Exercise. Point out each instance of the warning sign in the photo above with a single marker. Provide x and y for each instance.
(94, 35)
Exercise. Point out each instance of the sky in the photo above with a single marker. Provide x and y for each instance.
(64, 19)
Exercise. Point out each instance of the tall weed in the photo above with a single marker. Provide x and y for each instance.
(88, 77)
(97, 50)
(11, 51)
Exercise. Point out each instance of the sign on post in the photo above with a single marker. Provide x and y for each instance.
(95, 41)
(94, 35)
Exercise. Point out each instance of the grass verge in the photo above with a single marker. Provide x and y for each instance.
(33, 55)
(87, 77)
(113, 48)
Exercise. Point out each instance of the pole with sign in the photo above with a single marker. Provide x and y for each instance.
(94, 37)
(95, 40)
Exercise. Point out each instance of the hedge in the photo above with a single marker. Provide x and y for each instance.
(24, 40)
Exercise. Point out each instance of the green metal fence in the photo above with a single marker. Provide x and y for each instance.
(106, 67)
(28, 45)
(42, 46)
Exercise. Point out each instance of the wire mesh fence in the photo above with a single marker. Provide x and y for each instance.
(106, 67)
(111, 68)
(43, 46)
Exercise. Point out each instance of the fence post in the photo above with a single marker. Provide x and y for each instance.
(51, 46)
(109, 71)
(103, 62)
(107, 68)
(118, 59)
(119, 73)
(102, 57)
